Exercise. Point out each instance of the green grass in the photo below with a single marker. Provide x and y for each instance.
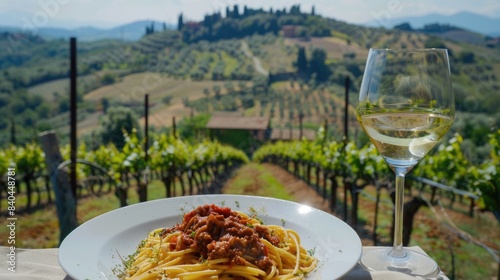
(54, 90)
(313, 126)
(276, 58)
(250, 179)
(40, 228)
(230, 64)
(437, 241)
(49, 90)
(471, 261)
(340, 35)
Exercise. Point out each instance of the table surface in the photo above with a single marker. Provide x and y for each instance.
(42, 264)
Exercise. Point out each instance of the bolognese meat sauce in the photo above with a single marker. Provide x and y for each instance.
(217, 232)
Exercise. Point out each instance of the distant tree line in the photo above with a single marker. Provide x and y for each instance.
(250, 21)
(428, 28)
(150, 29)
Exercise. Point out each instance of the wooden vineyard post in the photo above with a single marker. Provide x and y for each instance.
(354, 206)
(347, 186)
(144, 185)
(72, 118)
(65, 199)
(410, 209)
(174, 128)
(346, 111)
(333, 198)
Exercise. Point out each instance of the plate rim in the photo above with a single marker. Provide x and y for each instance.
(64, 247)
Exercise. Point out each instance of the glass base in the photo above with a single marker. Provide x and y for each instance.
(411, 263)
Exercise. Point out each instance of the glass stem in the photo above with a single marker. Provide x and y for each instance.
(397, 250)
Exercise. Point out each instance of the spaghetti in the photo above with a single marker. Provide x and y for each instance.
(215, 242)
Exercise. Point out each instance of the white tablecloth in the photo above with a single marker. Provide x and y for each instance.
(42, 264)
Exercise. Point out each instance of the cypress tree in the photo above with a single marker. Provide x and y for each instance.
(301, 60)
(236, 11)
(180, 22)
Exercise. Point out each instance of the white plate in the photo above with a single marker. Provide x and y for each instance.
(93, 250)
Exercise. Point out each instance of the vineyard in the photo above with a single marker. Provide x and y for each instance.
(360, 167)
(327, 166)
(169, 158)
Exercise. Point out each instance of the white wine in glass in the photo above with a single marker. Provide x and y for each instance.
(406, 106)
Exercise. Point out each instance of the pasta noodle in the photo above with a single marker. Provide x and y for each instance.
(215, 242)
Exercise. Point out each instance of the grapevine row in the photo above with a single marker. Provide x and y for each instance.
(359, 167)
(169, 159)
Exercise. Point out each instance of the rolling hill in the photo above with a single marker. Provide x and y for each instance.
(127, 32)
(212, 66)
(465, 20)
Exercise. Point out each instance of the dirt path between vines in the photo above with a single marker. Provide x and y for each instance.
(301, 192)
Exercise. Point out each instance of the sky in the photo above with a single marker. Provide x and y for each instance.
(112, 13)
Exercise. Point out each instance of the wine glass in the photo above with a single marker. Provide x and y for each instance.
(405, 106)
